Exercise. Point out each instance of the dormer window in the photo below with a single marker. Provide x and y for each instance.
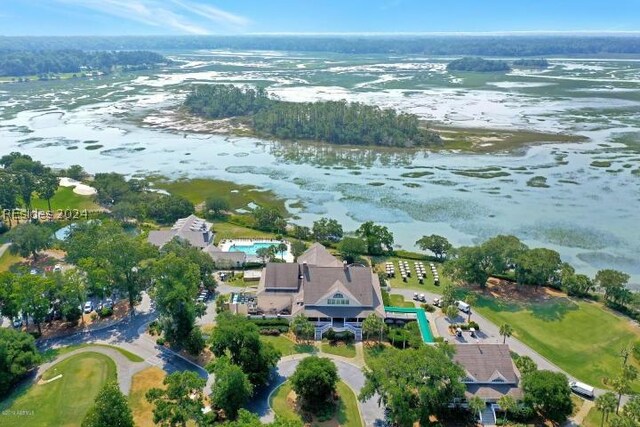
(338, 299)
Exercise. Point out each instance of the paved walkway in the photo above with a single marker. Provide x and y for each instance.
(350, 373)
(3, 248)
(126, 368)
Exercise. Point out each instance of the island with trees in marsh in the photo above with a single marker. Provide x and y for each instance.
(335, 122)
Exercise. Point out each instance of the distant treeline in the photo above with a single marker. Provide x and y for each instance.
(478, 65)
(336, 122)
(507, 46)
(38, 62)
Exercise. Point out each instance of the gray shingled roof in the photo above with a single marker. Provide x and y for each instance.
(281, 276)
(319, 255)
(493, 392)
(192, 229)
(358, 281)
(486, 362)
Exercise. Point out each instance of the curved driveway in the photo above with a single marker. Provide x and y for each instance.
(351, 374)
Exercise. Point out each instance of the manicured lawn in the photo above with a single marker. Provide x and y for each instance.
(347, 414)
(53, 353)
(412, 282)
(286, 346)
(140, 384)
(339, 349)
(226, 230)
(238, 196)
(62, 402)
(7, 260)
(65, 198)
(580, 337)
(593, 418)
(399, 301)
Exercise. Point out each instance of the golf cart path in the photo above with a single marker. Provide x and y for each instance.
(124, 367)
(350, 373)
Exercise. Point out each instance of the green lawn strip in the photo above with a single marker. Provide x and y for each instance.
(226, 230)
(239, 196)
(62, 402)
(580, 337)
(65, 199)
(287, 347)
(593, 418)
(7, 260)
(399, 301)
(412, 282)
(347, 414)
(339, 349)
(51, 354)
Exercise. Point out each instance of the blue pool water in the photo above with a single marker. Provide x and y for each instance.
(252, 249)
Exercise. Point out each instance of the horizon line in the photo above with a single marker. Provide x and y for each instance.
(368, 33)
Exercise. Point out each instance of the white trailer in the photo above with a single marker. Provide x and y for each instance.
(463, 306)
(582, 388)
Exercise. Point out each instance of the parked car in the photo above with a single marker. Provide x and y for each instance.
(582, 388)
(416, 297)
(423, 298)
(33, 272)
(437, 302)
(88, 307)
(108, 303)
(57, 268)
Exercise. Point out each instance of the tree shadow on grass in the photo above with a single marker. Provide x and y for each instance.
(553, 311)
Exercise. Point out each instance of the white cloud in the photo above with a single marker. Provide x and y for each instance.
(175, 14)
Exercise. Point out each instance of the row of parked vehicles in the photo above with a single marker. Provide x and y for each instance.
(204, 295)
(462, 306)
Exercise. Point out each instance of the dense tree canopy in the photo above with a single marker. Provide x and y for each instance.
(439, 245)
(16, 63)
(29, 239)
(336, 122)
(232, 389)
(238, 338)
(411, 388)
(111, 409)
(314, 381)
(327, 230)
(469, 63)
(181, 400)
(18, 355)
(378, 238)
(549, 393)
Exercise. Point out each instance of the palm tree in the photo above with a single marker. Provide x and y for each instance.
(507, 404)
(506, 331)
(606, 404)
(470, 299)
(451, 312)
(282, 248)
(476, 404)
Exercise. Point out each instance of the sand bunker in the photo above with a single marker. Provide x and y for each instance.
(79, 188)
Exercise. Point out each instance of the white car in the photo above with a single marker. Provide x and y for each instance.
(57, 268)
(88, 307)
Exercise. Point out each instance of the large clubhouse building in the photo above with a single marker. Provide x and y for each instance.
(328, 292)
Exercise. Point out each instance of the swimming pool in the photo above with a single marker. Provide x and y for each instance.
(252, 246)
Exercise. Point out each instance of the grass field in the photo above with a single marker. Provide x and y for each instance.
(347, 414)
(7, 260)
(580, 337)
(226, 230)
(399, 301)
(140, 383)
(339, 349)
(53, 353)
(65, 198)
(238, 196)
(62, 402)
(286, 346)
(593, 418)
(412, 282)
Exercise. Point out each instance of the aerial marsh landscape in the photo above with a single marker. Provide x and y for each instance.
(515, 145)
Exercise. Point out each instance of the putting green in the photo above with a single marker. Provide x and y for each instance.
(63, 401)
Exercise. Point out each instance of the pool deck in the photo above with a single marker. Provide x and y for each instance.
(231, 245)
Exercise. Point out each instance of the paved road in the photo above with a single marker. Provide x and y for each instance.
(130, 335)
(351, 374)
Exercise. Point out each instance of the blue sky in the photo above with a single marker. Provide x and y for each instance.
(154, 17)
